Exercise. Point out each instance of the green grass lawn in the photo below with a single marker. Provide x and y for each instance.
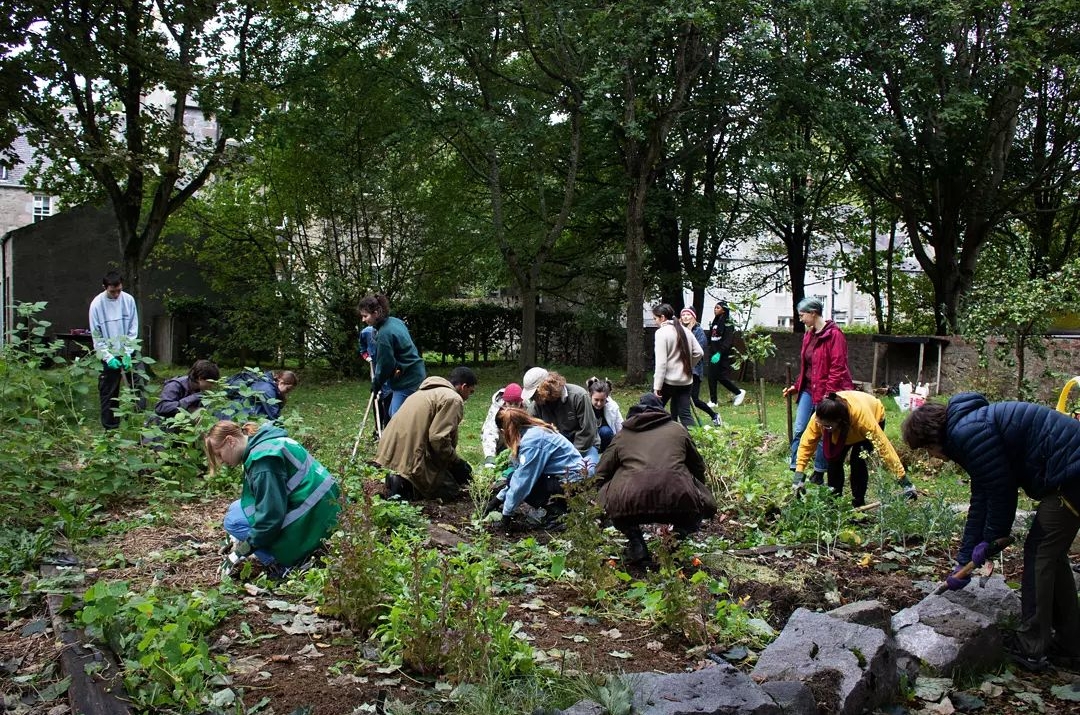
(332, 408)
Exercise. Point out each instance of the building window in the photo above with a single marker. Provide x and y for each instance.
(42, 207)
(840, 317)
(4, 175)
(783, 321)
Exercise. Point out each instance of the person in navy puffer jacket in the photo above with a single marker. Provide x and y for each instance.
(1004, 447)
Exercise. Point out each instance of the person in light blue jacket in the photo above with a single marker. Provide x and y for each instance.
(543, 461)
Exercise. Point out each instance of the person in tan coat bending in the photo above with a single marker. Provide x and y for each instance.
(419, 446)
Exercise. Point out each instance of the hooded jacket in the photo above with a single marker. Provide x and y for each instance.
(651, 472)
(289, 498)
(420, 442)
(1004, 447)
(826, 351)
(865, 416)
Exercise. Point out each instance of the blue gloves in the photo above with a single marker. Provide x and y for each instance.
(957, 583)
(113, 363)
(715, 359)
(980, 553)
(127, 362)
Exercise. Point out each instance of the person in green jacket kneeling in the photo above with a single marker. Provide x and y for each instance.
(289, 502)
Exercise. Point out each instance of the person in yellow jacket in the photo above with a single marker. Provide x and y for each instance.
(852, 422)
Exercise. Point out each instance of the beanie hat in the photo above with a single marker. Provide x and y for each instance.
(512, 393)
(689, 310)
(533, 377)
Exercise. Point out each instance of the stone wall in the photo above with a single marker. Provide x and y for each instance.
(960, 369)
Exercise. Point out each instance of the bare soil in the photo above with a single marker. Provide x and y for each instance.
(333, 672)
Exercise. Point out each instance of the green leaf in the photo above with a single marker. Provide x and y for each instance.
(55, 690)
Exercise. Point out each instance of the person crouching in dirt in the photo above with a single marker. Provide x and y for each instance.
(490, 438)
(268, 392)
(543, 460)
(419, 445)
(609, 419)
(185, 392)
(1004, 447)
(289, 502)
(851, 422)
(652, 474)
(565, 406)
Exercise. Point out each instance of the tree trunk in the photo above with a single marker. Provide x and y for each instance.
(527, 358)
(635, 285)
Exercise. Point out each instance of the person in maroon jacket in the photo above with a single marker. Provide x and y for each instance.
(823, 368)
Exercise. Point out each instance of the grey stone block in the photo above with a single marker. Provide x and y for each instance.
(793, 698)
(942, 635)
(848, 666)
(716, 690)
(995, 599)
(865, 613)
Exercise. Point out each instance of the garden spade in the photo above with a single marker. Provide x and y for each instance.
(995, 549)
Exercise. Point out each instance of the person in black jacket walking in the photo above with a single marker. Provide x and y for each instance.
(721, 340)
(1005, 447)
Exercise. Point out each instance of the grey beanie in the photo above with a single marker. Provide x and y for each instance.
(810, 305)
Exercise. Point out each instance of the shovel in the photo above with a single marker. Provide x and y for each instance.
(965, 571)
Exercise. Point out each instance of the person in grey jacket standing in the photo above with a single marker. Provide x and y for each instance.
(114, 325)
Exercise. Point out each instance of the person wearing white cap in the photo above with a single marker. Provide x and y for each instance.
(566, 406)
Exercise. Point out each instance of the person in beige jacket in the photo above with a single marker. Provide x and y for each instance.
(850, 421)
(676, 351)
(419, 445)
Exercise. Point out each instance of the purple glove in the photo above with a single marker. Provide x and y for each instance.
(957, 583)
(980, 553)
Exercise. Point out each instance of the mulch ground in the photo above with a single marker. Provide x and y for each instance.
(328, 669)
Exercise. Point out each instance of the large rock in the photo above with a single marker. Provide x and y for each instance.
(850, 668)
(941, 635)
(717, 690)
(994, 599)
(865, 613)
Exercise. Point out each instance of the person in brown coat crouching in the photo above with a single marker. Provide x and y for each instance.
(652, 474)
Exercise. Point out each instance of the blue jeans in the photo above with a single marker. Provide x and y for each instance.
(592, 458)
(237, 526)
(804, 410)
(606, 435)
(398, 397)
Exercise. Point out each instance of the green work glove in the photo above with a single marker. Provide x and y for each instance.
(242, 548)
(127, 362)
(113, 363)
(715, 358)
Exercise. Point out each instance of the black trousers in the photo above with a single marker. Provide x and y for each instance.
(720, 372)
(860, 472)
(1050, 616)
(680, 402)
(695, 397)
(109, 383)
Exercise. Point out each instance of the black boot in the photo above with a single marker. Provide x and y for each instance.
(636, 550)
(398, 486)
(817, 477)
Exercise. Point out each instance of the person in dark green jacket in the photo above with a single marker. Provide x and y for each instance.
(397, 361)
(289, 502)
